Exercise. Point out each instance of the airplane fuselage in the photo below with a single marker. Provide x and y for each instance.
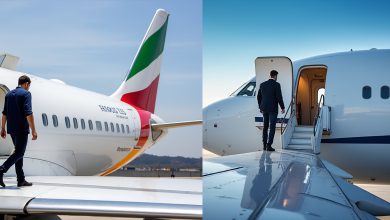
(356, 87)
(79, 132)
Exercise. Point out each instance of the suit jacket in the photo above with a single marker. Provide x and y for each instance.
(269, 96)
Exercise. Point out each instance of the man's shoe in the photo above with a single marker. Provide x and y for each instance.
(1, 180)
(24, 183)
(264, 147)
(269, 148)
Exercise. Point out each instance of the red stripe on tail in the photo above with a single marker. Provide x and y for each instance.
(144, 99)
(145, 127)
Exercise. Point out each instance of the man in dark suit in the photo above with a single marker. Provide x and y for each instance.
(19, 117)
(268, 98)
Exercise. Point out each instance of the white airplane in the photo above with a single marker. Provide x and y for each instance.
(338, 112)
(82, 133)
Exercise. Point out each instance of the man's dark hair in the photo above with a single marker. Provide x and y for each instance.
(24, 79)
(273, 73)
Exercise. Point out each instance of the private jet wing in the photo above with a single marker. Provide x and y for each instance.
(104, 196)
(283, 185)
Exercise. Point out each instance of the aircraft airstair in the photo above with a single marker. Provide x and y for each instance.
(305, 138)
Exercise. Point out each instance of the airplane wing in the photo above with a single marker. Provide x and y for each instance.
(104, 196)
(283, 185)
(175, 124)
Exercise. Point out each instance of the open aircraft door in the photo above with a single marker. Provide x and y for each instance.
(283, 65)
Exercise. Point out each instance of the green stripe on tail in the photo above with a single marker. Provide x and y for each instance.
(150, 50)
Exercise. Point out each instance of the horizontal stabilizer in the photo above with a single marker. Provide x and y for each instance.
(8, 61)
(175, 124)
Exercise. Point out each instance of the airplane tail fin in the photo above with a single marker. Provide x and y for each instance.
(140, 85)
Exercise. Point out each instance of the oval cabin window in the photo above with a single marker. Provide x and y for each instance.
(366, 92)
(385, 92)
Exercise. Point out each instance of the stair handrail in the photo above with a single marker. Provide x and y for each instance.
(318, 116)
(317, 129)
(285, 115)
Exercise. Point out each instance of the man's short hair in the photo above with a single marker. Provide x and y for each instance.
(24, 79)
(273, 73)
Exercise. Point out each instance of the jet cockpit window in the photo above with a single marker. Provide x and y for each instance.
(55, 120)
(90, 125)
(238, 90)
(44, 120)
(248, 90)
(385, 92)
(75, 124)
(366, 92)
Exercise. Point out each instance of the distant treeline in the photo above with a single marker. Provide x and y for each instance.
(153, 161)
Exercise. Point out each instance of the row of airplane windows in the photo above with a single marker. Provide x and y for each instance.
(107, 126)
(385, 92)
(249, 90)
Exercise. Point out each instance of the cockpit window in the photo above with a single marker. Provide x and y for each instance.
(248, 90)
(238, 90)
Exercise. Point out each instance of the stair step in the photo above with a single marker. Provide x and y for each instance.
(299, 147)
(303, 129)
(300, 141)
(302, 135)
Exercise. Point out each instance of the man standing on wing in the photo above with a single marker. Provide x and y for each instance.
(19, 117)
(268, 98)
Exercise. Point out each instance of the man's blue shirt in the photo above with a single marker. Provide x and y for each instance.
(17, 107)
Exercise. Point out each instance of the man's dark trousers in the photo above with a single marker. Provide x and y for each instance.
(20, 143)
(269, 122)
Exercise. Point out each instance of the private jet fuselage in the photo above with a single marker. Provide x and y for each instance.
(355, 86)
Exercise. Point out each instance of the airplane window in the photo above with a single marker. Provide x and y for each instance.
(123, 128)
(117, 128)
(44, 120)
(55, 120)
(98, 125)
(90, 125)
(127, 129)
(82, 124)
(112, 127)
(75, 124)
(106, 126)
(366, 92)
(67, 122)
(248, 90)
(385, 92)
(238, 90)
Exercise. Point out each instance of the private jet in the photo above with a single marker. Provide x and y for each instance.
(334, 132)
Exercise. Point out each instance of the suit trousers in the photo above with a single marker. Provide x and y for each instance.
(269, 122)
(20, 143)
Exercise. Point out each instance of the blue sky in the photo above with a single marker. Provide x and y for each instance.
(236, 32)
(91, 44)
